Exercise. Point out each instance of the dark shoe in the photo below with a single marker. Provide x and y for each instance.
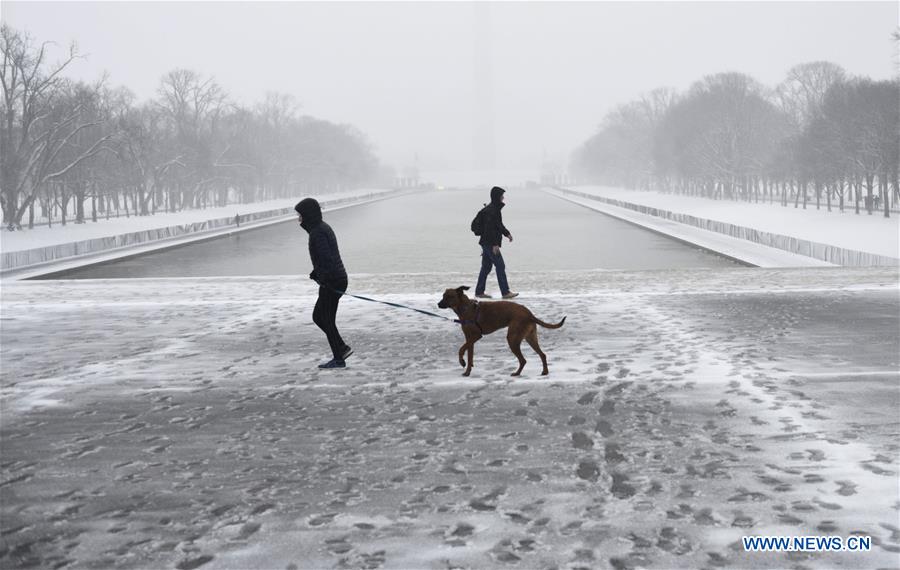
(333, 363)
(346, 353)
(510, 295)
(482, 296)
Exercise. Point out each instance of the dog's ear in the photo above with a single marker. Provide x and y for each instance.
(462, 288)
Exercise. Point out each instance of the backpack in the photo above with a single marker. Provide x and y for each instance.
(477, 226)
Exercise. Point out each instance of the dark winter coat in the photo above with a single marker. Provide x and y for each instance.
(323, 248)
(493, 230)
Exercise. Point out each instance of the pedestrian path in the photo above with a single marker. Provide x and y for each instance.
(29, 253)
(740, 250)
(832, 237)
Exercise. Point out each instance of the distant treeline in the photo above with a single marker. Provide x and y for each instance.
(819, 135)
(67, 146)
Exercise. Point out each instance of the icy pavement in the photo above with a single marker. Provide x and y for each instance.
(182, 423)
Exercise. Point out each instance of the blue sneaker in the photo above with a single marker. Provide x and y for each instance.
(333, 363)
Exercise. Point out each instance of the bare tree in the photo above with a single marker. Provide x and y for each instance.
(730, 137)
(189, 147)
(621, 151)
(802, 93)
(147, 151)
(720, 138)
(193, 106)
(40, 121)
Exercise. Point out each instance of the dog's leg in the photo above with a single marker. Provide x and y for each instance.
(532, 339)
(471, 357)
(514, 338)
(471, 338)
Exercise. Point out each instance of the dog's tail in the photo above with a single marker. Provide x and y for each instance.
(548, 325)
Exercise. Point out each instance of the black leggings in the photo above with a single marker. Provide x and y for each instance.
(325, 313)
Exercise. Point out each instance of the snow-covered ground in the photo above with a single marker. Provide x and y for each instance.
(182, 423)
(42, 236)
(152, 423)
(742, 250)
(873, 234)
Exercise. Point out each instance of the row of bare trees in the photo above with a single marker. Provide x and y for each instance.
(68, 146)
(818, 135)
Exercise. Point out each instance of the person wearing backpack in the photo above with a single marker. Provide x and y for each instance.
(488, 225)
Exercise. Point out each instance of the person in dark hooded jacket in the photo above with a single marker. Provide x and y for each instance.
(328, 271)
(492, 233)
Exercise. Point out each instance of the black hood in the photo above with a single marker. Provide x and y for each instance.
(497, 195)
(311, 211)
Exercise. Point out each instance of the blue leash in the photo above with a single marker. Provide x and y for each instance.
(398, 305)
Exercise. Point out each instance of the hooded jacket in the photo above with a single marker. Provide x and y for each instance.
(323, 248)
(494, 230)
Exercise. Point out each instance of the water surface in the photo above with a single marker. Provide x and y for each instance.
(427, 232)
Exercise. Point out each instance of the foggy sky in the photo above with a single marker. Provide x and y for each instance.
(405, 73)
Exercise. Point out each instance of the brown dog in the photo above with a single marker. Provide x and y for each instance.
(479, 319)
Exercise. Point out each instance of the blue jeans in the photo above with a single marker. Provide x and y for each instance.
(488, 259)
